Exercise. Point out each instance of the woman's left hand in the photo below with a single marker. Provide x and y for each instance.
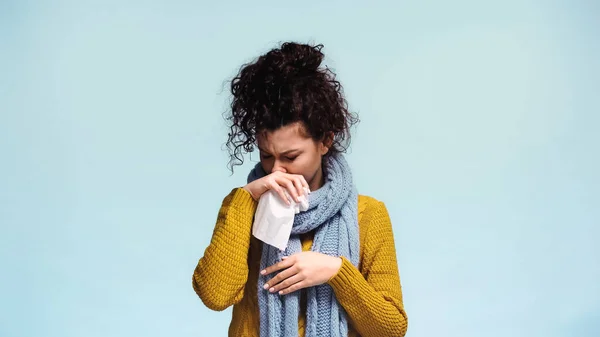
(302, 270)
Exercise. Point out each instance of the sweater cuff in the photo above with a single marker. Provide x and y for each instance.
(345, 276)
(242, 200)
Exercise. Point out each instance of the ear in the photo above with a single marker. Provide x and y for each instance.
(326, 143)
(328, 140)
(323, 149)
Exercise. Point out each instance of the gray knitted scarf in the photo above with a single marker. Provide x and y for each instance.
(333, 215)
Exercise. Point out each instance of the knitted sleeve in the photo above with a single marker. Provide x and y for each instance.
(373, 299)
(221, 274)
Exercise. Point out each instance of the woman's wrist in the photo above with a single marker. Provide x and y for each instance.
(250, 188)
(249, 191)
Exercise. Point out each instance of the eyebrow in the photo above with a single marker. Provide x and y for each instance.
(283, 153)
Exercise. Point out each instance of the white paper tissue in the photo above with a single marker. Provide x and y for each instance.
(274, 219)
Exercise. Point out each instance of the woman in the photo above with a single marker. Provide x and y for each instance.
(338, 275)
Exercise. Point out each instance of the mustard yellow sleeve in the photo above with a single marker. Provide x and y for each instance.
(221, 274)
(373, 299)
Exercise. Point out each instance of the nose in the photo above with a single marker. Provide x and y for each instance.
(278, 167)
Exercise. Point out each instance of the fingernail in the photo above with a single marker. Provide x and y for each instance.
(280, 292)
(272, 289)
(263, 272)
(266, 286)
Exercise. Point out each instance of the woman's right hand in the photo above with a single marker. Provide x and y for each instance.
(277, 181)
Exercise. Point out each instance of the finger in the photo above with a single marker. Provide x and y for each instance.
(304, 183)
(286, 283)
(286, 181)
(294, 287)
(292, 189)
(281, 277)
(275, 186)
(278, 266)
(298, 185)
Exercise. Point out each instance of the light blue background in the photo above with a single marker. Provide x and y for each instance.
(479, 131)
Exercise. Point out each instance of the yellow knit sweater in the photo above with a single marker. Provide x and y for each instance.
(371, 294)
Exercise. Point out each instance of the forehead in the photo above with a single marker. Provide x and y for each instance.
(285, 138)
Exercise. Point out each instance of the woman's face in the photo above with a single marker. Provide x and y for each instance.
(289, 149)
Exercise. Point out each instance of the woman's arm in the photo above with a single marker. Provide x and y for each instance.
(221, 274)
(373, 299)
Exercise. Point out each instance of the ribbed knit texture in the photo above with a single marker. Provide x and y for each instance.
(371, 294)
(332, 213)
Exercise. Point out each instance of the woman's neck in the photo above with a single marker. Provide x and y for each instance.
(317, 181)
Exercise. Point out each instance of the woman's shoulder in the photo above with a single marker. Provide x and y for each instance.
(367, 199)
(373, 222)
(368, 206)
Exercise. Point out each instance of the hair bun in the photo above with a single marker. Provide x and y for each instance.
(300, 59)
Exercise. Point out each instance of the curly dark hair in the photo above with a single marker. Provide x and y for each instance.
(284, 86)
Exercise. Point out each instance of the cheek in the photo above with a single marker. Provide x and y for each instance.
(310, 167)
